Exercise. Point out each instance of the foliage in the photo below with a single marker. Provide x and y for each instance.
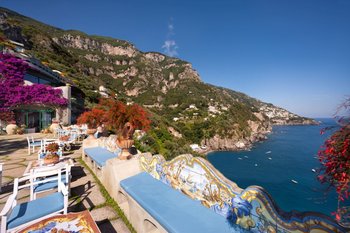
(93, 118)
(118, 114)
(115, 114)
(335, 159)
(14, 94)
(52, 147)
(159, 141)
(7, 116)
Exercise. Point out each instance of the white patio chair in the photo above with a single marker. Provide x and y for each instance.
(15, 216)
(49, 182)
(1, 166)
(32, 144)
(47, 141)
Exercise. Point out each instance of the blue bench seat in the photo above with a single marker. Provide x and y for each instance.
(99, 155)
(29, 211)
(173, 210)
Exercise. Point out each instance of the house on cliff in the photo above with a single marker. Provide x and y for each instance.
(37, 118)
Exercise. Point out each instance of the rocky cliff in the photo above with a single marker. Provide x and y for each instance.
(170, 88)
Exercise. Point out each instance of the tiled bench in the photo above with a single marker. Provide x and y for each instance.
(174, 211)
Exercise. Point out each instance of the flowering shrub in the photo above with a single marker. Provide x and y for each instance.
(115, 114)
(138, 117)
(119, 114)
(335, 159)
(14, 94)
(92, 118)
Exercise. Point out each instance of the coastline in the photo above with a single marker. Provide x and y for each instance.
(260, 136)
(288, 147)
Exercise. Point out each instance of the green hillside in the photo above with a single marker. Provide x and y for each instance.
(185, 110)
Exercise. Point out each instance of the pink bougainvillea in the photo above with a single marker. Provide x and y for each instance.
(14, 94)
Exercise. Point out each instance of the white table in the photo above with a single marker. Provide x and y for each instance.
(36, 164)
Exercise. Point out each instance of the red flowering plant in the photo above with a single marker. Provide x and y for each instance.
(118, 114)
(335, 159)
(92, 118)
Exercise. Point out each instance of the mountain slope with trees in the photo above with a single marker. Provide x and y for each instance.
(184, 109)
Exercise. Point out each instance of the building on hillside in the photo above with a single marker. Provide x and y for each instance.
(37, 118)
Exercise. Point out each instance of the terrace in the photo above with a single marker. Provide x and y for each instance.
(186, 194)
(86, 192)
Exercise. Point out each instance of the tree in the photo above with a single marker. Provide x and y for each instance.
(14, 94)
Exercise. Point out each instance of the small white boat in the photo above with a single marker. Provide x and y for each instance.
(313, 170)
(239, 158)
(269, 158)
(256, 165)
(268, 152)
(245, 156)
(294, 181)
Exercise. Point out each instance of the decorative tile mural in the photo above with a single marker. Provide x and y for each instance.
(248, 210)
(80, 222)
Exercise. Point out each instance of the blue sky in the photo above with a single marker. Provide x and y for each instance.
(294, 54)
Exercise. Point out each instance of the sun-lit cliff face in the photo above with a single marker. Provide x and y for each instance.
(185, 109)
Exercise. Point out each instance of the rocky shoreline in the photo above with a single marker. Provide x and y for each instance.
(259, 133)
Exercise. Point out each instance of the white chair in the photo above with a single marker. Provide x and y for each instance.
(32, 144)
(47, 141)
(15, 216)
(1, 165)
(49, 182)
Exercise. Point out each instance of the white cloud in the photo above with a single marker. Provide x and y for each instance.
(169, 46)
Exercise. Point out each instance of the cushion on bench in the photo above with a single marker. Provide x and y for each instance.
(29, 211)
(173, 210)
(99, 155)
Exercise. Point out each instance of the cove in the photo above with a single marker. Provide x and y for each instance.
(283, 166)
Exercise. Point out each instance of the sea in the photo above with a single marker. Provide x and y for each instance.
(283, 165)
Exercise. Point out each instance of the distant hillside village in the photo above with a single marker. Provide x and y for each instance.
(37, 118)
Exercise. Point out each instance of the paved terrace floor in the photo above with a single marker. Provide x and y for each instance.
(85, 192)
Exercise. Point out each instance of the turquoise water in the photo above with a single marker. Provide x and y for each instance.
(288, 154)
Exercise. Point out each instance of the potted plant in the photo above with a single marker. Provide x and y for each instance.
(125, 140)
(20, 130)
(11, 128)
(54, 125)
(51, 153)
(124, 119)
(64, 138)
(93, 119)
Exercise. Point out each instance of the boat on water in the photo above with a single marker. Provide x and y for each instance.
(239, 158)
(294, 181)
(268, 152)
(256, 165)
(245, 156)
(313, 170)
(269, 158)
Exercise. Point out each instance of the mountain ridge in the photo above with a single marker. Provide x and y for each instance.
(181, 103)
